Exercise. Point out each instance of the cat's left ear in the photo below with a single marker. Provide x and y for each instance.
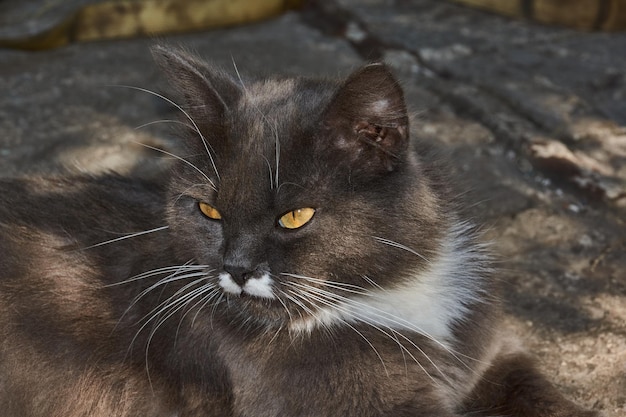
(208, 92)
(368, 118)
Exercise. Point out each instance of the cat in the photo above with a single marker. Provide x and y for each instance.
(305, 257)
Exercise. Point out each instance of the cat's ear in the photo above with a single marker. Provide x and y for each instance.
(369, 119)
(208, 92)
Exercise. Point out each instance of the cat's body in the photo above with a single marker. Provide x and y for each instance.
(304, 260)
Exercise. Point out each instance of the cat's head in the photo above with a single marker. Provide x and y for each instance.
(297, 193)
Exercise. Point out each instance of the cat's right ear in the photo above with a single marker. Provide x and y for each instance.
(369, 118)
(208, 92)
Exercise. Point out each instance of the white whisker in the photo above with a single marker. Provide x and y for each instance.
(399, 246)
(167, 305)
(207, 299)
(162, 282)
(330, 299)
(299, 303)
(272, 126)
(181, 302)
(195, 126)
(385, 316)
(128, 236)
(376, 317)
(277, 148)
(154, 272)
(269, 167)
(307, 296)
(346, 323)
(286, 308)
(243, 85)
(289, 298)
(372, 282)
(154, 122)
(211, 288)
(355, 289)
(206, 177)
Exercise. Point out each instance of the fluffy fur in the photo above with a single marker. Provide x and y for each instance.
(121, 298)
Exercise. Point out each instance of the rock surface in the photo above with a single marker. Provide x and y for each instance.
(534, 116)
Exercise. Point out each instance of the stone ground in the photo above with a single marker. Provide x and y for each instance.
(534, 116)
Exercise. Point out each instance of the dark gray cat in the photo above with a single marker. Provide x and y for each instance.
(304, 259)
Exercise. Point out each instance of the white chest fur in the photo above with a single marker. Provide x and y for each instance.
(429, 303)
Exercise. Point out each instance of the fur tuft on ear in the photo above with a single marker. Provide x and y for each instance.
(369, 118)
(208, 92)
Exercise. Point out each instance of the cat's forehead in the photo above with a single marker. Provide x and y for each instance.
(270, 134)
(271, 113)
(268, 92)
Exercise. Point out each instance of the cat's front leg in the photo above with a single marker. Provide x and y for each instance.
(512, 386)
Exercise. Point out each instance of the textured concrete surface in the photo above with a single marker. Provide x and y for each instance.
(533, 116)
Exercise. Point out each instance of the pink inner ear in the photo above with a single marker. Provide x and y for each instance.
(373, 132)
(369, 119)
(367, 128)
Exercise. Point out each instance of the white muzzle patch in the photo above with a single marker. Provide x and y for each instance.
(257, 287)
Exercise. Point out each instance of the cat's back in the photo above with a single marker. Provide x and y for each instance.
(57, 318)
(73, 201)
(71, 217)
(54, 231)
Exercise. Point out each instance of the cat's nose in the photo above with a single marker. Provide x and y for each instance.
(239, 273)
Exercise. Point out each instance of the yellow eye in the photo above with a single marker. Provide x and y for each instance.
(296, 218)
(209, 211)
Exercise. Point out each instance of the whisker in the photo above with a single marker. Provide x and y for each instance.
(128, 236)
(275, 335)
(346, 323)
(400, 246)
(159, 308)
(211, 288)
(372, 282)
(183, 194)
(170, 278)
(382, 314)
(269, 167)
(154, 122)
(299, 303)
(289, 183)
(195, 126)
(182, 302)
(379, 314)
(290, 298)
(219, 300)
(329, 299)
(307, 299)
(355, 289)
(277, 147)
(215, 292)
(167, 305)
(182, 160)
(273, 125)
(286, 308)
(243, 85)
(154, 272)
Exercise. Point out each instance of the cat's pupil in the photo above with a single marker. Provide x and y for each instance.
(296, 218)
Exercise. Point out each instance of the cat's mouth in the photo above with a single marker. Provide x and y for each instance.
(256, 286)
